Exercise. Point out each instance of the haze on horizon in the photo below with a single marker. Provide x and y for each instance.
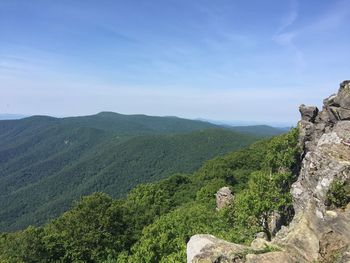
(255, 61)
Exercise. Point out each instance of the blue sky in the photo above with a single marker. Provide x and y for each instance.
(222, 59)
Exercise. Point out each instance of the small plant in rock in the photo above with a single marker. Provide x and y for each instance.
(338, 194)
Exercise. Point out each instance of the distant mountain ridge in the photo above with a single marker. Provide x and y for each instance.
(111, 121)
(139, 123)
(261, 130)
(4, 116)
(47, 162)
(234, 123)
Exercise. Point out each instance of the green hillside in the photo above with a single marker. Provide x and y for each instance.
(46, 162)
(154, 222)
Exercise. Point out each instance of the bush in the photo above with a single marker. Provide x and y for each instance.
(265, 194)
(338, 194)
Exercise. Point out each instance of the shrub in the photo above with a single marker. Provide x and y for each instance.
(338, 194)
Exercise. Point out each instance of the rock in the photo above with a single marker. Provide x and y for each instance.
(342, 114)
(308, 113)
(223, 197)
(316, 234)
(306, 134)
(329, 139)
(196, 244)
(343, 97)
(332, 248)
(273, 257)
(331, 214)
(262, 235)
(275, 222)
(207, 248)
(259, 244)
(344, 84)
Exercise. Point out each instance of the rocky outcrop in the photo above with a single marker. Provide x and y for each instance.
(223, 197)
(316, 233)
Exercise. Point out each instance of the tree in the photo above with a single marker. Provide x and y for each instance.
(165, 240)
(23, 246)
(264, 195)
(283, 152)
(145, 203)
(90, 232)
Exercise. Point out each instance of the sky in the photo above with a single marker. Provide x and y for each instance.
(253, 61)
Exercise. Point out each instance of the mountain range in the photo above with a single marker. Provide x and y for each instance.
(47, 162)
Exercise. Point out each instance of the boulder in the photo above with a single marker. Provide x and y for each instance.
(223, 197)
(308, 113)
(207, 248)
(259, 244)
(343, 97)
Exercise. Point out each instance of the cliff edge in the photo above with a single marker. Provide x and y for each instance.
(319, 231)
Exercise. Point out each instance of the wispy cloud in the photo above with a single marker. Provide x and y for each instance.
(286, 38)
(290, 17)
(330, 20)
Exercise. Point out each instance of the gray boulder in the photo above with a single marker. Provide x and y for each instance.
(223, 197)
(308, 113)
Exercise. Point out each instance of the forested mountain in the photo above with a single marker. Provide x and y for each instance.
(46, 162)
(156, 220)
(110, 121)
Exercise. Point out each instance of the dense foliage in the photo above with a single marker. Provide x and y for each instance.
(156, 220)
(46, 163)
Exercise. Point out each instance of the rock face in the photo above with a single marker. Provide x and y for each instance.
(223, 197)
(316, 233)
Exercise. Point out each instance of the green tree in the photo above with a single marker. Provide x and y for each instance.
(145, 203)
(165, 240)
(24, 246)
(282, 153)
(90, 232)
(264, 195)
